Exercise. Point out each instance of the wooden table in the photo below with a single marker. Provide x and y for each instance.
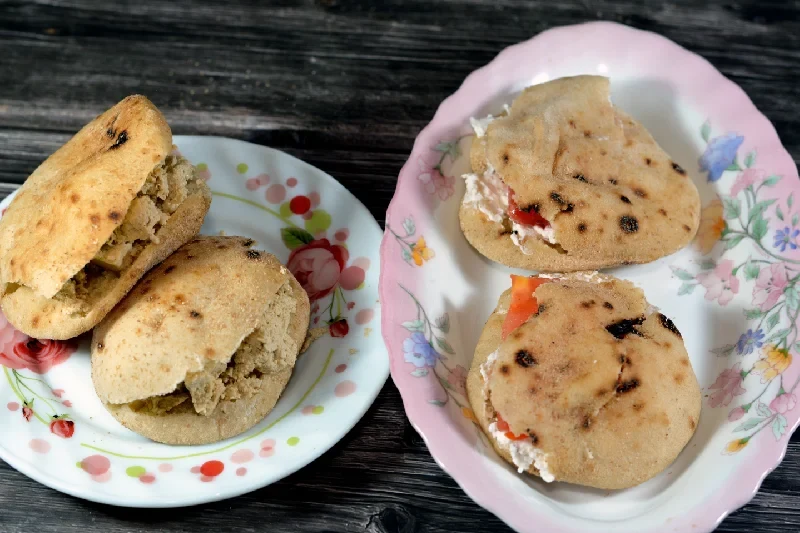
(346, 86)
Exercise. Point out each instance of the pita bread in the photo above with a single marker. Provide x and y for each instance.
(170, 362)
(76, 202)
(610, 193)
(608, 401)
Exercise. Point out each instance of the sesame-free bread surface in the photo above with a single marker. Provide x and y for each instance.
(612, 403)
(609, 191)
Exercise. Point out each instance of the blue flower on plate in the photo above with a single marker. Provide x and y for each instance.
(750, 341)
(786, 237)
(720, 154)
(419, 351)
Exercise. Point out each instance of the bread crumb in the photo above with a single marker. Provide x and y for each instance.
(222, 233)
(313, 334)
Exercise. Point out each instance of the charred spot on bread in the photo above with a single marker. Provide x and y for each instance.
(625, 199)
(587, 422)
(686, 228)
(195, 314)
(669, 325)
(587, 304)
(612, 181)
(534, 437)
(504, 369)
(253, 254)
(248, 243)
(169, 269)
(641, 193)
(122, 138)
(608, 305)
(587, 133)
(94, 219)
(582, 227)
(628, 224)
(525, 359)
(557, 198)
(580, 177)
(677, 168)
(627, 386)
(115, 216)
(572, 124)
(622, 328)
(648, 161)
(662, 212)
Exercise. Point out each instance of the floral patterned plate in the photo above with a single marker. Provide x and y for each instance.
(735, 293)
(55, 430)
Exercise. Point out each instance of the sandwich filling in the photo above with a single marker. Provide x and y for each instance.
(491, 196)
(166, 188)
(267, 350)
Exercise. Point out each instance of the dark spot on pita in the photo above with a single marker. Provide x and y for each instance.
(687, 228)
(629, 142)
(557, 198)
(248, 243)
(569, 208)
(627, 386)
(692, 423)
(138, 331)
(640, 193)
(612, 181)
(222, 247)
(587, 304)
(253, 254)
(194, 314)
(540, 310)
(534, 437)
(648, 161)
(629, 224)
(210, 352)
(12, 261)
(669, 325)
(94, 219)
(624, 327)
(35, 321)
(603, 152)
(144, 290)
(625, 199)
(506, 158)
(535, 207)
(581, 228)
(627, 263)
(114, 215)
(580, 177)
(74, 197)
(662, 212)
(504, 369)
(516, 334)
(677, 168)
(572, 124)
(685, 362)
(600, 393)
(587, 421)
(525, 359)
(122, 138)
(638, 406)
(169, 269)
(180, 299)
(99, 347)
(566, 366)
(110, 132)
(608, 305)
(679, 378)
(587, 133)
(533, 390)
(189, 256)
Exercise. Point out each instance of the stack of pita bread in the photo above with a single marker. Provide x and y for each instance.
(595, 387)
(202, 348)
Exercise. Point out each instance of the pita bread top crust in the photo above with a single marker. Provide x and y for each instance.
(192, 310)
(591, 170)
(72, 203)
(580, 389)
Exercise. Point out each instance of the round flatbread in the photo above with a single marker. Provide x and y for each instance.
(93, 218)
(599, 382)
(611, 195)
(204, 345)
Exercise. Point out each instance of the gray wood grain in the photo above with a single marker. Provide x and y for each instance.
(345, 85)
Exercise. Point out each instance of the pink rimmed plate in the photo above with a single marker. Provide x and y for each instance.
(56, 431)
(733, 293)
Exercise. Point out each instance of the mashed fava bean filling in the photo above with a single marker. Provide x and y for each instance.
(167, 186)
(269, 349)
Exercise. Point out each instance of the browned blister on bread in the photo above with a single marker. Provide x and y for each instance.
(600, 382)
(93, 218)
(204, 345)
(610, 193)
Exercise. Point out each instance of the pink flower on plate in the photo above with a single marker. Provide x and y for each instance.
(770, 284)
(746, 178)
(9, 336)
(720, 283)
(728, 385)
(434, 181)
(38, 356)
(318, 266)
(458, 380)
(783, 402)
(736, 414)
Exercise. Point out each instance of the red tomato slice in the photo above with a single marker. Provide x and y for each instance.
(523, 302)
(520, 216)
(503, 426)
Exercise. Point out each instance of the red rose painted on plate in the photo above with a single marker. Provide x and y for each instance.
(318, 266)
(38, 356)
(62, 427)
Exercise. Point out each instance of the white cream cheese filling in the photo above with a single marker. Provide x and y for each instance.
(489, 195)
(523, 452)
